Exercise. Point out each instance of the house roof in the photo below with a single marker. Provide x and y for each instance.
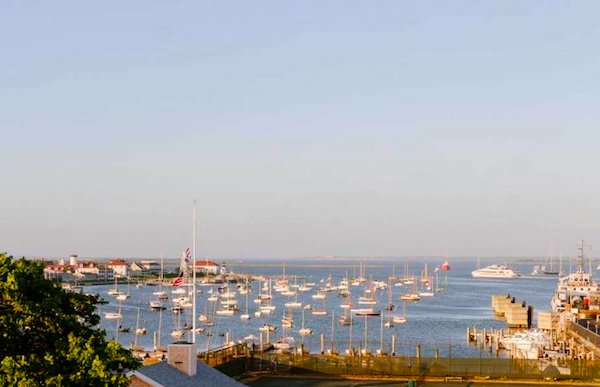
(206, 263)
(166, 375)
(117, 262)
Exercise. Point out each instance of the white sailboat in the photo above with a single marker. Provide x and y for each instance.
(161, 294)
(304, 331)
(246, 316)
(139, 331)
(115, 291)
(124, 296)
(114, 315)
(400, 319)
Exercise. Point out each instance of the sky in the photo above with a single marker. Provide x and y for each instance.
(313, 128)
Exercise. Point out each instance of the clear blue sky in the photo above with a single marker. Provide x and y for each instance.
(302, 128)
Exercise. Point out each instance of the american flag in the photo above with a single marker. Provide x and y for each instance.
(186, 255)
(179, 280)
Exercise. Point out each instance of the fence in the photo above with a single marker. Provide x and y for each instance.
(424, 367)
(224, 354)
(587, 331)
(238, 359)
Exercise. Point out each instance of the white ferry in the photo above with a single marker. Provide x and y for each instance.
(496, 271)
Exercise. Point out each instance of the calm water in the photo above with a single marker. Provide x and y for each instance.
(434, 322)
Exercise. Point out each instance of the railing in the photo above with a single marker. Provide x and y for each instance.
(223, 354)
(588, 330)
(397, 366)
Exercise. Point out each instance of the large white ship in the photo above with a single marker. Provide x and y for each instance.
(573, 289)
(496, 271)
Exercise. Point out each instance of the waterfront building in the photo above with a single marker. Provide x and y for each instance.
(72, 271)
(119, 267)
(208, 267)
(151, 267)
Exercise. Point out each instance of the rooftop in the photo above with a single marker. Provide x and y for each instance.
(165, 375)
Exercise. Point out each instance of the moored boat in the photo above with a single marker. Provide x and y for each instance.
(366, 312)
(573, 291)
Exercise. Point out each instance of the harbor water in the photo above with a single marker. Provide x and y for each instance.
(435, 323)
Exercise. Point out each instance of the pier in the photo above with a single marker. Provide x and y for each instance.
(566, 336)
(516, 314)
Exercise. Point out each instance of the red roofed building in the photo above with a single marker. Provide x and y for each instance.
(119, 267)
(72, 271)
(206, 266)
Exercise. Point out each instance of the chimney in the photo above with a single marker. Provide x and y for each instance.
(183, 357)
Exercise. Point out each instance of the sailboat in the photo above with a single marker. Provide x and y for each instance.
(157, 305)
(115, 291)
(393, 276)
(246, 316)
(287, 321)
(389, 307)
(368, 297)
(400, 319)
(346, 318)
(114, 315)
(425, 275)
(320, 311)
(428, 289)
(124, 296)
(332, 350)
(293, 304)
(350, 350)
(161, 294)
(304, 331)
(407, 279)
(267, 328)
(157, 335)
(139, 331)
(269, 308)
(550, 269)
(438, 287)
(411, 296)
(285, 343)
(177, 332)
(365, 351)
(205, 319)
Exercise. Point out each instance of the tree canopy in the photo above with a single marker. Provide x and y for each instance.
(49, 336)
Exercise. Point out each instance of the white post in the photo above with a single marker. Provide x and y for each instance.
(194, 275)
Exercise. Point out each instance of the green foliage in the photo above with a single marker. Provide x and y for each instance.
(50, 337)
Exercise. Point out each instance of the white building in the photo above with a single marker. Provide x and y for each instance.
(119, 267)
(208, 267)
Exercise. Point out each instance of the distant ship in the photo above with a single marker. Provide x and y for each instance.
(445, 266)
(496, 271)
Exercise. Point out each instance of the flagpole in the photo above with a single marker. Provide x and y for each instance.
(194, 276)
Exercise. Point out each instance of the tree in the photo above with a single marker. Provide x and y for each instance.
(49, 336)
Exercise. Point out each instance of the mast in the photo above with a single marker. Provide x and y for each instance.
(194, 274)
(381, 335)
(332, 329)
(365, 333)
(137, 325)
(581, 261)
(351, 349)
(161, 278)
(560, 268)
(157, 344)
